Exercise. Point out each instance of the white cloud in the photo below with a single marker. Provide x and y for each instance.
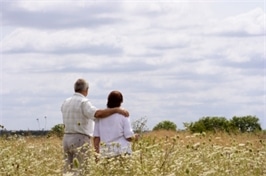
(250, 23)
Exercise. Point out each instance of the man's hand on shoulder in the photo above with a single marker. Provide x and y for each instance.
(123, 112)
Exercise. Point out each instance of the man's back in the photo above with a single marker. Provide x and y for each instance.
(74, 118)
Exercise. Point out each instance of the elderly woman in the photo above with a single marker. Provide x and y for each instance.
(112, 135)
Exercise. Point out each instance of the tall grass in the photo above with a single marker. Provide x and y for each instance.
(156, 153)
(30, 156)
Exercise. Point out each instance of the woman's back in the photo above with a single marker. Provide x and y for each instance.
(113, 132)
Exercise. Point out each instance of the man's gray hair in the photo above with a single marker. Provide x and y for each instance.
(81, 85)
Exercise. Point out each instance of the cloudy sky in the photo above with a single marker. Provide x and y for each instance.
(176, 60)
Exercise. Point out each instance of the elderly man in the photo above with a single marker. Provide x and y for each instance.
(78, 118)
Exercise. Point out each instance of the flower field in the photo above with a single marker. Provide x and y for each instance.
(156, 153)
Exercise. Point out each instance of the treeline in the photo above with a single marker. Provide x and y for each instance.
(205, 124)
(24, 133)
(221, 124)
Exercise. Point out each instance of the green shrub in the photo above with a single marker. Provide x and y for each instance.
(212, 124)
(58, 130)
(165, 125)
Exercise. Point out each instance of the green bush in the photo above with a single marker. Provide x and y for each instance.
(212, 124)
(165, 125)
(58, 130)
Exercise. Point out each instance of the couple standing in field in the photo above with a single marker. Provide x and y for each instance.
(82, 121)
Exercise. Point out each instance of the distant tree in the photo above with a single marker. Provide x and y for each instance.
(165, 125)
(246, 123)
(58, 130)
(195, 127)
(140, 125)
(212, 124)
